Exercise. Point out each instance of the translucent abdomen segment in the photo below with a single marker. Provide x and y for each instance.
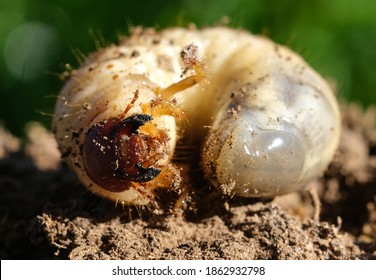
(261, 162)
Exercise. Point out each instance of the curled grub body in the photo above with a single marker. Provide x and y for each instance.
(274, 122)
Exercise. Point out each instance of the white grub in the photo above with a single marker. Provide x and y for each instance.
(274, 122)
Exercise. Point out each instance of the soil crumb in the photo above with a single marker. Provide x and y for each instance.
(45, 213)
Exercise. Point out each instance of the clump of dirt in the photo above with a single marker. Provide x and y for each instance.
(46, 214)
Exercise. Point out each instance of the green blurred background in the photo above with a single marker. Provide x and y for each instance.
(38, 37)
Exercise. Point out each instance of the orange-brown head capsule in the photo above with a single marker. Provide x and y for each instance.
(115, 152)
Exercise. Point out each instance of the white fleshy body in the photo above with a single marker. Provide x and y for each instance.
(274, 123)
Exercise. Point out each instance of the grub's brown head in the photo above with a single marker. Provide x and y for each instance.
(118, 151)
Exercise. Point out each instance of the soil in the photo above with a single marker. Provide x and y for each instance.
(45, 213)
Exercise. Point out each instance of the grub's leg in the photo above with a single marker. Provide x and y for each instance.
(161, 107)
(190, 57)
(188, 82)
(316, 203)
(165, 104)
(170, 179)
(182, 200)
(130, 105)
(141, 190)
